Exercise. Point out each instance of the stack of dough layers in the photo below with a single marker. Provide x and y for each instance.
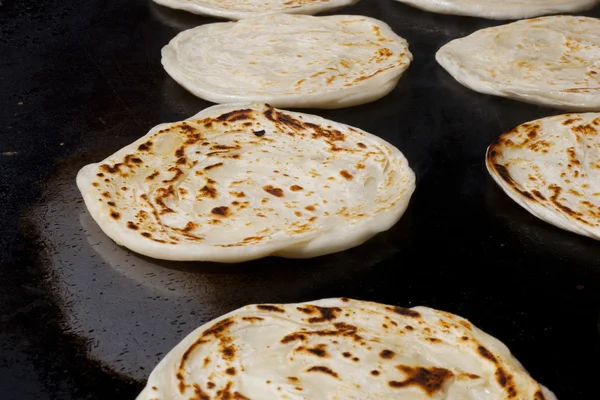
(240, 182)
(289, 61)
(551, 61)
(338, 349)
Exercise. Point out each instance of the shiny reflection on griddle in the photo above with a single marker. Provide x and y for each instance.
(133, 309)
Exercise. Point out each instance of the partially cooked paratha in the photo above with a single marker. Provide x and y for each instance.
(340, 349)
(502, 9)
(240, 182)
(240, 9)
(552, 61)
(551, 167)
(289, 60)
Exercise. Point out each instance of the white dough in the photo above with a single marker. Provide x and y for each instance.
(236, 9)
(289, 60)
(240, 182)
(502, 9)
(551, 61)
(340, 349)
(551, 167)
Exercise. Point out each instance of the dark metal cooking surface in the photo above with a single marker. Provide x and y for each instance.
(82, 318)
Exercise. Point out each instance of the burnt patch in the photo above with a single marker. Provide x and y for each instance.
(431, 380)
(208, 168)
(259, 133)
(387, 354)
(222, 211)
(404, 311)
(237, 115)
(277, 192)
(485, 353)
(296, 188)
(324, 370)
(269, 307)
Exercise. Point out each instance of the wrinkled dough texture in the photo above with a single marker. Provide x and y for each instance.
(337, 349)
(551, 167)
(338, 61)
(252, 8)
(239, 182)
(502, 9)
(552, 61)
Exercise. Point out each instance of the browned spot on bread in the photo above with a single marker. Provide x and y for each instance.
(387, 354)
(293, 378)
(404, 311)
(277, 192)
(309, 208)
(237, 115)
(375, 372)
(539, 395)
(269, 307)
(319, 350)
(296, 188)
(347, 175)
(230, 371)
(252, 319)
(132, 225)
(323, 369)
(485, 353)
(115, 215)
(145, 146)
(431, 380)
(207, 168)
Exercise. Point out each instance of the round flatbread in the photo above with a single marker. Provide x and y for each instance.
(240, 182)
(551, 167)
(502, 9)
(252, 8)
(552, 61)
(289, 60)
(340, 349)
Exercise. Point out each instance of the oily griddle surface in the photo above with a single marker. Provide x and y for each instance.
(82, 318)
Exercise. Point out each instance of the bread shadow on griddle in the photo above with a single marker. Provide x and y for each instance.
(576, 250)
(376, 249)
(179, 19)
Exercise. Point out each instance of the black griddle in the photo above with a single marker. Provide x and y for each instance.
(82, 318)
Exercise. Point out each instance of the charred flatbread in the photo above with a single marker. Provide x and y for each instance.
(291, 61)
(551, 167)
(340, 349)
(240, 182)
(551, 61)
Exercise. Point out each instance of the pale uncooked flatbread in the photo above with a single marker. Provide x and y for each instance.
(502, 9)
(552, 61)
(240, 182)
(551, 167)
(340, 349)
(235, 9)
(289, 60)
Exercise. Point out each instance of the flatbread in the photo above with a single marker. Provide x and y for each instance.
(240, 182)
(233, 9)
(551, 61)
(502, 9)
(289, 60)
(551, 167)
(337, 349)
